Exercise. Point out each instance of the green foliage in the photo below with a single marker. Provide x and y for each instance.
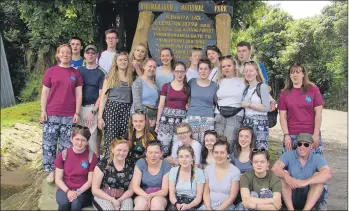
(21, 113)
(33, 87)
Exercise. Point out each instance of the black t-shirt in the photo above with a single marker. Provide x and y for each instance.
(93, 82)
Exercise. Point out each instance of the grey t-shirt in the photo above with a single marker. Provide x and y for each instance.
(243, 167)
(121, 94)
(201, 99)
(220, 190)
(149, 180)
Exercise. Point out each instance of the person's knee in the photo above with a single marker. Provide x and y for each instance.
(157, 203)
(141, 203)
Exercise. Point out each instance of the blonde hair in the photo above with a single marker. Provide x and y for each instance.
(133, 52)
(194, 50)
(259, 77)
(146, 62)
(220, 74)
(112, 78)
(113, 144)
(59, 49)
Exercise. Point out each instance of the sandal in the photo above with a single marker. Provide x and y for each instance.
(51, 177)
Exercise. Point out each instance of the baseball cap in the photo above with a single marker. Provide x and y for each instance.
(91, 47)
(305, 137)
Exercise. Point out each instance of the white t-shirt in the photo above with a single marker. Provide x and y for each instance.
(230, 93)
(192, 74)
(213, 74)
(106, 60)
(196, 147)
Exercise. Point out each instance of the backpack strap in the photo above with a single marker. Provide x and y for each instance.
(64, 154)
(245, 91)
(258, 90)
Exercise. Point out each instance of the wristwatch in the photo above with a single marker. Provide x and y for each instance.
(94, 112)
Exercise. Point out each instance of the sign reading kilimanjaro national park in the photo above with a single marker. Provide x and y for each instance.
(182, 26)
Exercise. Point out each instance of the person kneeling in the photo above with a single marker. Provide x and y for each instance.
(260, 188)
(74, 171)
(112, 177)
(303, 182)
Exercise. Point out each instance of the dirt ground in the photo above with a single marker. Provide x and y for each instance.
(334, 131)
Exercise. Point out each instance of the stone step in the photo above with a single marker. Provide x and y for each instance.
(47, 200)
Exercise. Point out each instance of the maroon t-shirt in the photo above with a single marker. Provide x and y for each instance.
(300, 109)
(75, 167)
(174, 99)
(62, 82)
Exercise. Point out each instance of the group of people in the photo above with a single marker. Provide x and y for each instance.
(178, 137)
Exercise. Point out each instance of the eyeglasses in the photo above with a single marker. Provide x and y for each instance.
(111, 38)
(225, 57)
(249, 62)
(179, 72)
(183, 133)
(299, 144)
(213, 132)
(259, 150)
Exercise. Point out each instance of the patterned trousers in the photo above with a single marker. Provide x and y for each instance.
(260, 126)
(199, 125)
(56, 129)
(102, 204)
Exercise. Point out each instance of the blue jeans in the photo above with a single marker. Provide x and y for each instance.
(83, 200)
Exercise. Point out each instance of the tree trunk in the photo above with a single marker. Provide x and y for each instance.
(223, 30)
(145, 19)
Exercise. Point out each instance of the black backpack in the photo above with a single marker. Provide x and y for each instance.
(272, 115)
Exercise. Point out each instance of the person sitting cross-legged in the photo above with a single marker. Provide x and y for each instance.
(303, 182)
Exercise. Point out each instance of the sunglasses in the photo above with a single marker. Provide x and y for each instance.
(197, 49)
(259, 150)
(249, 62)
(213, 132)
(138, 111)
(298, 70)
(225, 57)
(299, 144)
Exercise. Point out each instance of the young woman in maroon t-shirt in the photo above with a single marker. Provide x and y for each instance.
(61, 99)
(172, 107)
(300, 106)
(74, 170)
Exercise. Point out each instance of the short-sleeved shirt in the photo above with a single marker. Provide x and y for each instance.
(106, 60)
(196, 148)
(300, 109)
(93, 82)
(116, 179)
(149, 180)
(220, 189)
(260, 185)
(201, 99)
(291, 160)
(62, 82)
(75, 167)
(138, 146)
(161, 78)
(174, 99)
(243, 167)
(189, 187)
(150, 95)
(77, 63)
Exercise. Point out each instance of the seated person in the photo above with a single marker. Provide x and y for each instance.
(210, 138)
(222, 180)
(242, 153)
(260, 187)
(112, 179)
(74, 170)
(186, 182)
(184, 133)
(303, 182)
(150, 179)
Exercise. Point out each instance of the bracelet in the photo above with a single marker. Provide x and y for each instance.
(175, 204)
(286, 134)
(77, 114)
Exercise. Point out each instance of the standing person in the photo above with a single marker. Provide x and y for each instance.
(241, 155)
(184, 133)
(76, 46)
(139, 134)
(164, 73)
(196, 55)
(74, 172)
(106, 58)
(257, 104)
(222, 180)
(210, 138)
(111, 185)
(303, 184)
(200, 114)
(93, 78)
(137, 57)
(229, 113)
(213, 53)
(186, 182)
(260, 188)
(244, 52)
(145, 93)
(150, 182)
(61, 99)
(116, 101)
(172, 107)
(300, 106)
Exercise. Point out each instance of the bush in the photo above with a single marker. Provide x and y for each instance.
(32, 90)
